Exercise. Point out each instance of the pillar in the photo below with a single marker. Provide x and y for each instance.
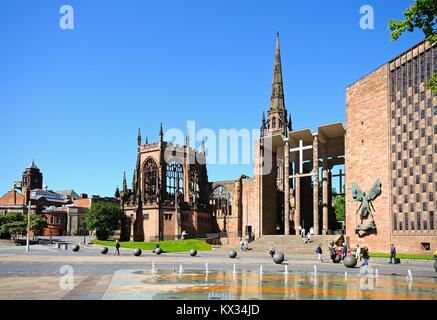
(325, 191)
(316, 185)
(297, 206)
(286, 189)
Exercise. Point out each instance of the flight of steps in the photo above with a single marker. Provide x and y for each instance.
(293, 244)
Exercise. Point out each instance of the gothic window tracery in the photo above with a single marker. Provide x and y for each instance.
(221, 202)
(194, 184)
(273, 123)
(150, 180)
(174, 179)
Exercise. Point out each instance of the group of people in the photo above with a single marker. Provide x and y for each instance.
(244, 245)
(360, 254)
(306, 237)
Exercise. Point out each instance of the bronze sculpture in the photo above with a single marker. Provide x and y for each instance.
(366, 206)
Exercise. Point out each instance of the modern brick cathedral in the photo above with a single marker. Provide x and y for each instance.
(391, 123)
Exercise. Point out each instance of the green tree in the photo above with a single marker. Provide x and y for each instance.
(37, 224)
(340, 208)
(421, 15)
(12, 223)
(104, 218)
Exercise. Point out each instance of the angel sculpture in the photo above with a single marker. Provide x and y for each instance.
(366, 206)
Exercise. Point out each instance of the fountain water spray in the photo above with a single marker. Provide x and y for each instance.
(153, 267)
(260, 269)
(206, 267)
(286, 270)
(315, 270)
(180, 269)
(345, 275)
(234, 271)
(376, 274)
(410, 276)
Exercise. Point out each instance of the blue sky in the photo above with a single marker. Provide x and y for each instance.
(74, 99)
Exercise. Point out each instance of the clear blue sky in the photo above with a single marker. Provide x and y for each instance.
(74, 99)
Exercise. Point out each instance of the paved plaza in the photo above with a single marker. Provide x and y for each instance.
(42, 274)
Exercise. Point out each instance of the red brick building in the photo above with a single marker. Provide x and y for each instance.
(391, 123)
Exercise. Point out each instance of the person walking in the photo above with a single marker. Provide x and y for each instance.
(392, 254)
(241, 245)
(309, 237)
(117, 248)
(332, 250)
(345, 250)
(272, 250)
(319, 252)
(365, 257)
(302, 233)
(358, 253)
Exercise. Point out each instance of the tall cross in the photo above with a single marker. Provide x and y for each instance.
(301, 149)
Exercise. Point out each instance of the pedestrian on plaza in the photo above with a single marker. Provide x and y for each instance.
(309, 237)
(392, 254)
(332, 250)
(345, 250)
(435, 254)
(117, 248)
(241, 245)
(272, 250)
(365, 257)
(358, 253)
(302, 233)
(319, 252)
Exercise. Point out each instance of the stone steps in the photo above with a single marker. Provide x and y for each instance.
(292, 244)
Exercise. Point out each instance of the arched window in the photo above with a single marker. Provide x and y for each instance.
(174, 179)
(194, 184)
(150, 180)
(221, 202)
(273, 123)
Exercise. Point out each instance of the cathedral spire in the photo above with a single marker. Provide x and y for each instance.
(277, 98)
(290, 124)
(139, 136)
(263, 121)
(188, 138)
(124, 183)
(161, 134)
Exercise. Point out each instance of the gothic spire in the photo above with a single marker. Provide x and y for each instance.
(188, 138)
(290, 124)
(263, 121)
(124, 183)
(161, 134)
(147, 140)
(277, 98)
(202, 147)
(139, 137)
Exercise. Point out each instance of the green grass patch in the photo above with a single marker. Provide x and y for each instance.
(167, 246)
(402, 256)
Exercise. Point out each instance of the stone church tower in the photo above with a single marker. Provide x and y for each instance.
(277, 122)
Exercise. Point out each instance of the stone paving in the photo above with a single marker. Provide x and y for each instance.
(36, 274)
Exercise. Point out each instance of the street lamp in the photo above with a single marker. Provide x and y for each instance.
(84, 231)
(28, 227)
